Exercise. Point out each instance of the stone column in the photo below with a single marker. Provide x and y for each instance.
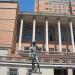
(46, 46)
(70, 71)
(72, 36)
(59, 35)
(34, 27)
(20, 35)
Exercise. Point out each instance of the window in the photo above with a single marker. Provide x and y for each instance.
(51, 32)
(55, 10)
(27, 32)
(39, 33)
(63, 34)
(40, 49)
(44, 49)
(74, 33)
(68, 50)
(3, 51)
(46, 3)
(50, 38)
(51, 49)
(64, 50)
(50, 3)
(73, 10)
(26, 48)
(46, 8)
(12, 71)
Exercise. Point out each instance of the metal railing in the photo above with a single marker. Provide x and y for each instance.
(44, 57)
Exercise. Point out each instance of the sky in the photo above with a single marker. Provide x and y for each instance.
(26, 5)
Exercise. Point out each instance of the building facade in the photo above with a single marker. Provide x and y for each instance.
(8, 21)
(55, 36)
(54, 6)
(73, 7)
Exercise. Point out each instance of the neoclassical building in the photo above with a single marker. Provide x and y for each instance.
(55, 36)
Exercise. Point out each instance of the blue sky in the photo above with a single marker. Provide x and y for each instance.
(26, 5)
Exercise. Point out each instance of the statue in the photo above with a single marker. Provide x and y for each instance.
(33, 51)
(34, 57)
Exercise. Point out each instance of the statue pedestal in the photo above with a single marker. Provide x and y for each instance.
(34, 73)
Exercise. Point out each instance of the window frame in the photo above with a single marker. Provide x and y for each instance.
(12, 71)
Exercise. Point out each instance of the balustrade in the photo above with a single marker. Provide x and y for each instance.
(44, 57)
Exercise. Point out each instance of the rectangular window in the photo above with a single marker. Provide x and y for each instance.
(64, 50)
(68, 50)
(46, 8)
(3, 51)
(63, 34)
(51, 49)
(50, 38)
(51, 33)
(74, 32)
(26, 48)
(13, 71)
(46, 3)
(27, 32)
(39, 33)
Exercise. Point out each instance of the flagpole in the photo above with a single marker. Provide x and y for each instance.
(70, 7)
(38, 5)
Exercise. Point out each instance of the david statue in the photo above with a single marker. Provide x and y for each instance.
(34, 57)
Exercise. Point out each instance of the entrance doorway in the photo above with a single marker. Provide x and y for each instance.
(60, 72)
(74, 71)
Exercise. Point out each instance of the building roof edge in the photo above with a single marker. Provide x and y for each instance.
(49, 14)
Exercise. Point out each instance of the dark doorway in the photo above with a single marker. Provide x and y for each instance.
(50, 38)
(73, 71)
(60, 72)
